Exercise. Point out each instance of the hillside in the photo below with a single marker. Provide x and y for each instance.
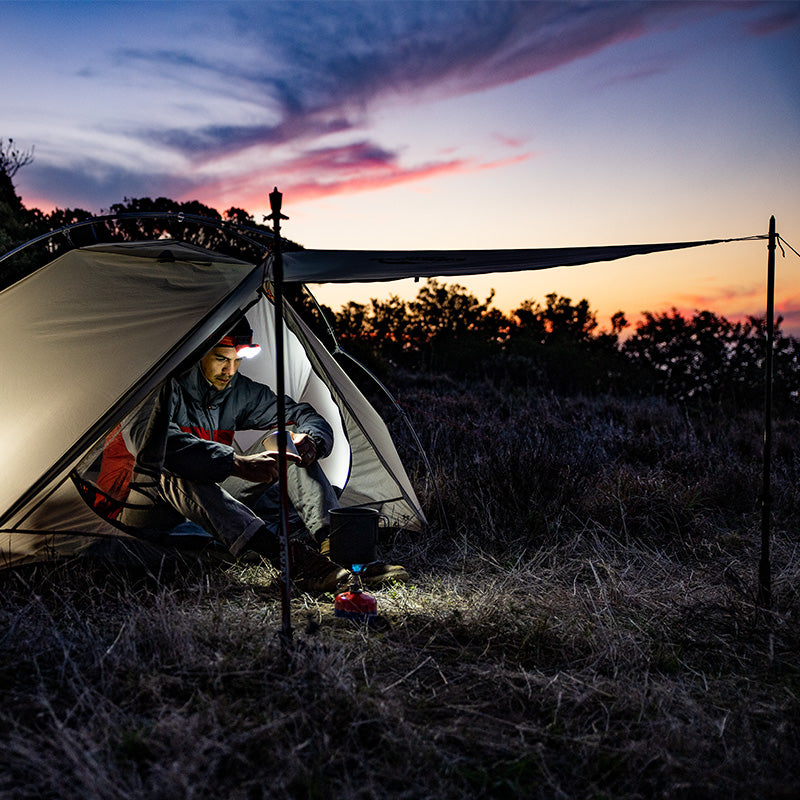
(582, 625)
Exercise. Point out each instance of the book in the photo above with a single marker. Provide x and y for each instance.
(270, 443)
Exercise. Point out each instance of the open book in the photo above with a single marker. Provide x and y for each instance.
(270, 443)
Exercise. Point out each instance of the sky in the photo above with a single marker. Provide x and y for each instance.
(437, 125)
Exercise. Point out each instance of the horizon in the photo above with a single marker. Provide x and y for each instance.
(439, 125)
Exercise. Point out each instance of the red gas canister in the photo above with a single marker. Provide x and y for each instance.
(356, 605)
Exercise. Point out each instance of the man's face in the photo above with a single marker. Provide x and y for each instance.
(219, 366)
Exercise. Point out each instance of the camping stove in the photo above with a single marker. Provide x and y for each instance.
(355, 603)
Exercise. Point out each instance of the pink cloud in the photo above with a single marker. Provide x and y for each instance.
(509, 141)
(723, 296)
(735, 304)
(345, 170)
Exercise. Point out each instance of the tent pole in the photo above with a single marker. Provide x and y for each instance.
(275, 200)
(764, 587)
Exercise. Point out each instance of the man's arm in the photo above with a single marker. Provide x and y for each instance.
(261, 414)
(260, 467)
(197, 459)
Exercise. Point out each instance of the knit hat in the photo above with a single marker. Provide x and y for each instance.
(241, 337)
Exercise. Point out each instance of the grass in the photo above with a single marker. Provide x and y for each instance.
(582, 625)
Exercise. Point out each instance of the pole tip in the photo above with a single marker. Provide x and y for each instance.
(275, 202)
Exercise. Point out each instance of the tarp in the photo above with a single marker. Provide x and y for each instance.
(357, 266)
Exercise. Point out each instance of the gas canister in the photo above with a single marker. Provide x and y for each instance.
(355, 604)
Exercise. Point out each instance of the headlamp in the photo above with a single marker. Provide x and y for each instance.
(243, 344)
(248, 350)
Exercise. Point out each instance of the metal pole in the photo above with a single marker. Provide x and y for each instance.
(275, 200)
(764, 580)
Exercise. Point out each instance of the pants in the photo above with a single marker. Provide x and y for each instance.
(234, 510)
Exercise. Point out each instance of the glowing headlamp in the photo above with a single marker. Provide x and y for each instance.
(248, 350)
(243, 344)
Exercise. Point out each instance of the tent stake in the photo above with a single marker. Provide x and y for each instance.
(764, 581)
(275, 200)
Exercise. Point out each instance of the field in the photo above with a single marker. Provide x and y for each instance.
(581, 623)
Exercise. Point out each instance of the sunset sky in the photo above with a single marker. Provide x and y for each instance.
(436, 125)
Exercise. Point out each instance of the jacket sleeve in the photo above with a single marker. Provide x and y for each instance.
(261, 414)
(307, 420)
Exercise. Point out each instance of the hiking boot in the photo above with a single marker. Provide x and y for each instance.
(378, 573)
(374, 574)
(313, 572)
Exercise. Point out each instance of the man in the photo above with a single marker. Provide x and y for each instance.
(231, 495)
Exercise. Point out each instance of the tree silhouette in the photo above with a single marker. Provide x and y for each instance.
(12, 159)
(182, 227)
(450, 328)
(707, 357)
(17, 223)
(557, 346)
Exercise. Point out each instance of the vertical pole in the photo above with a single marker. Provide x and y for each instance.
(275, 201)
(764, 579)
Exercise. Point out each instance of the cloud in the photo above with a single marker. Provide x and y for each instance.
(779, 17)
(220, 140)
(391, 175)
(328, 63)
(92, 186)
(513, 142)
(723, 296)
(737, 303)
(352, 157)
(358, 167)
(789, 309)
(297, 86)
(634, 75)
(315, 70)
(317, 172)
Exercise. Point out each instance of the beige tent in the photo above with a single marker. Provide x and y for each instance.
(92, 335)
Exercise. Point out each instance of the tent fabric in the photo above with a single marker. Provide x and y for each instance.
(356, 266)
(88, 333)
(368, 438)
(360, 435)
(90, 336)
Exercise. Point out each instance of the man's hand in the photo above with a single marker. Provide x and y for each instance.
(306, 448)
(260, 467)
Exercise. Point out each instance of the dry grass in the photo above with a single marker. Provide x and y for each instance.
(585, 628)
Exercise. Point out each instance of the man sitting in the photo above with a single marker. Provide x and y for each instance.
(234, 496)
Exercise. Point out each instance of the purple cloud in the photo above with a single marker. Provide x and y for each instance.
(304, 71)
(779, 17)
(216, 140)
(330, 62)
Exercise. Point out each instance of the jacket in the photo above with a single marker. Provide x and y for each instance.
(203, 420)
(188, 430)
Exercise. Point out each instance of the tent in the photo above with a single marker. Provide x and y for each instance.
(92, 335)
